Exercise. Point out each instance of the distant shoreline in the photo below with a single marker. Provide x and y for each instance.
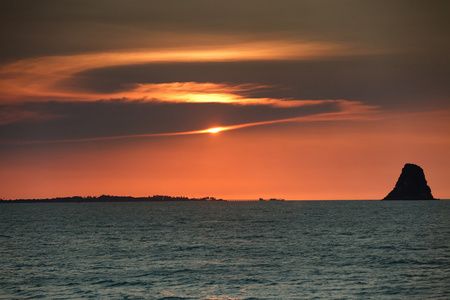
(159, 198)
(107, 198)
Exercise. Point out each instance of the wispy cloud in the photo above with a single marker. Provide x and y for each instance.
(37, 78)
(50, 122)
(206, 92)
(156, 109)
(10, 114)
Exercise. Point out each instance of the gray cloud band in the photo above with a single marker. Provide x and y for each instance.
(46, 121)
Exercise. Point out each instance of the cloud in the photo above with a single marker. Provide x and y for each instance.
(149, 109)
(17, 114)
(390, 81)
(36, 78)
(54, 27)
(206, 92)
(81, 121)
(41, 103)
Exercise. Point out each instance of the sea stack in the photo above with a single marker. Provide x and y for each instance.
(411, 185)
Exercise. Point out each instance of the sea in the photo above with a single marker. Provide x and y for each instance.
(226, 250)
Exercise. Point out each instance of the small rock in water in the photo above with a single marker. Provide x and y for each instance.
(411, 185)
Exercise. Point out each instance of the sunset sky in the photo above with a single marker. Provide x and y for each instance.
(302, 100)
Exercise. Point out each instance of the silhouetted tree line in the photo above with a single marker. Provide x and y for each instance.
(108, 198)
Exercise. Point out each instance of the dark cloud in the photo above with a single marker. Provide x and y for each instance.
(48, 27)
(84, 120)
(379, 80)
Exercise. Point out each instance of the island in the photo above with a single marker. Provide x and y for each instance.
(411, 185)
(108, 198)
(271, 199)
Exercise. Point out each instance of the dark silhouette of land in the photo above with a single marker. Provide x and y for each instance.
(271, 199)
(107, 198)
(411, 185)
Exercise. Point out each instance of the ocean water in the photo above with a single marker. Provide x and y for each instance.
(226, 250)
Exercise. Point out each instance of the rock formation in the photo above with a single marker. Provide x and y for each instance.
(411, 185)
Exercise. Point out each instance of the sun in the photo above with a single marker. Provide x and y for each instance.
(215, 129)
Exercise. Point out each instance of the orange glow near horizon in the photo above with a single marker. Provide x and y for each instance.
(293, 161)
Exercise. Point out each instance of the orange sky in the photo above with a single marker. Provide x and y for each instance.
(117, 101)
(325, 160)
